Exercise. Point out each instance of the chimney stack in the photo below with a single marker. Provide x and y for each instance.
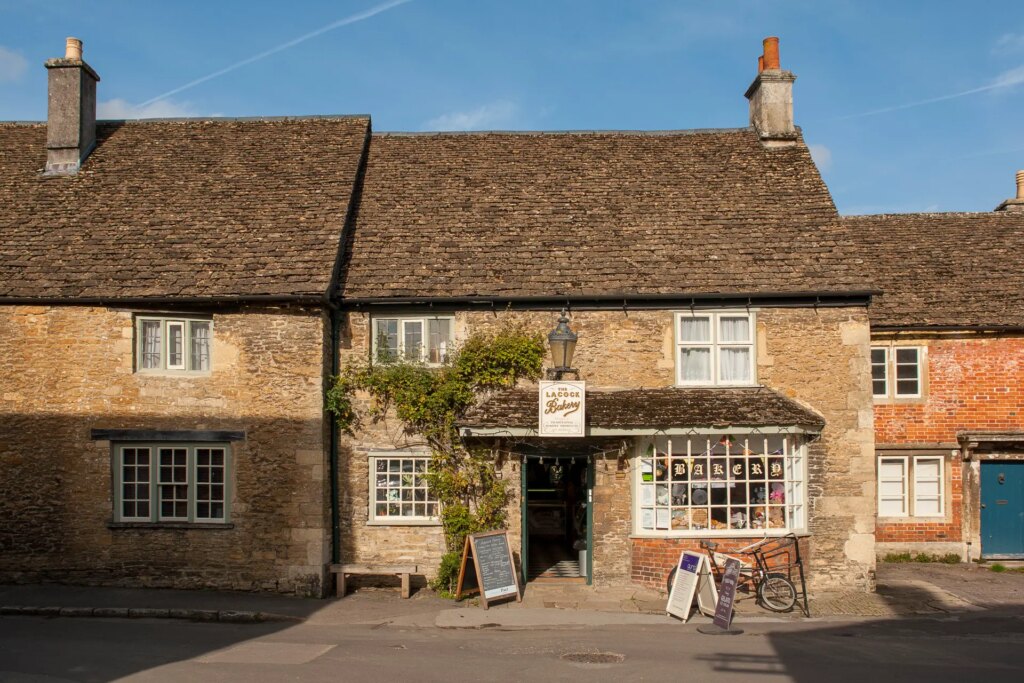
(771, 99)
(1016, 204)
(71, 111)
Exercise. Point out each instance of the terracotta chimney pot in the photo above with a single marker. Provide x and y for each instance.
(760, 63)
(73, 49)
(1020, 184)
(771, 53)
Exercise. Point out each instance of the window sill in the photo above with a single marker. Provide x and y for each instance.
(171, 525)
(717, 533)
(410, 522)
(173, 373)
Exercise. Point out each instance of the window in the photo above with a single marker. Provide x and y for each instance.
(171, 483)
(904, 364)
(894, 487)
(710, 485)
(172, 345)
(399, 490)
(420, 340)
(715, 348)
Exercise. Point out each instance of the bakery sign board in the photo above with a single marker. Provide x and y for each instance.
(562, 408)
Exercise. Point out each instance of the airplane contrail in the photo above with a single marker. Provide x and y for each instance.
(283, 46)
(1004, 80)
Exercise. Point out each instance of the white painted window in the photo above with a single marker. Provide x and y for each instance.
(171, 483)
(177, 345)
(892, 487)
(715, 348)
(897, 372)
(928, 486)
(739, 484)
(399, 489)
(415, 339)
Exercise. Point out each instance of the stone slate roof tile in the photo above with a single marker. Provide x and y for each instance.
(592, 213)
(654, 409)
(189, 208)
(942, 269)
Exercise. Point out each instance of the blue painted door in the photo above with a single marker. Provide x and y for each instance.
(1002, 509)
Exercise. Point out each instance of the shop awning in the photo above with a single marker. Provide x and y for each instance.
(651, 411)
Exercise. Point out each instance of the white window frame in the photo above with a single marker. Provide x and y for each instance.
(374, 519)
(715, 345)
(892, 391)
(155, 516)
(905, 499)
(166, 323)
(885, 371)
(942, 486)
(403, 321)
(794, 483)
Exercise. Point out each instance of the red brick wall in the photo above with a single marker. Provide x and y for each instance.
(654, 558)
(973, 384)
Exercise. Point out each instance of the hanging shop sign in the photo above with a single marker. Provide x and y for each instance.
(562, 409)
(487, 568)
(693, 579)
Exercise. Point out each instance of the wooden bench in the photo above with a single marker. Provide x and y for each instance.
(402, 571)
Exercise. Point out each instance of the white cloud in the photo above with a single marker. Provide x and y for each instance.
(488, 116)
(822, 156)
(1009, 42)
(1009, 77)
(163, 109)
(12, 65)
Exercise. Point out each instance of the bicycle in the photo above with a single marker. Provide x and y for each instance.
(772, 588)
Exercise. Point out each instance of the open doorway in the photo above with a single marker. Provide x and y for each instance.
(557, 518)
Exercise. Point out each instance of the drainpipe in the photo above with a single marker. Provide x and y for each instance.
(333, 445)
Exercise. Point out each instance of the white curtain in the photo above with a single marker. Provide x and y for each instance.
(151, 344)
(734, 329)
(735, 364)
(200, 346)
(696, 364)
(695, 329)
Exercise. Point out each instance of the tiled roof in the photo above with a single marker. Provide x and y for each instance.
(599, 213)
(943, 269)
(191, 208)
(654, 409)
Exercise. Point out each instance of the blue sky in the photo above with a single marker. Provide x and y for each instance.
(908, 106)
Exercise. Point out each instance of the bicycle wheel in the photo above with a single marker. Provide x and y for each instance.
(777, 593)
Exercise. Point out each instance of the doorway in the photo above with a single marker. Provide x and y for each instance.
(557, 518)
(1002, 509)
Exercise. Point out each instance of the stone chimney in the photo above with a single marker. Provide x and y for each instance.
(1016, 204)
(771, 99)
(71, 111)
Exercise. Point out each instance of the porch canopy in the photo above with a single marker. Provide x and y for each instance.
(673, 410)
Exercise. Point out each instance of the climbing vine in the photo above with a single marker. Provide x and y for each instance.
(429, 401)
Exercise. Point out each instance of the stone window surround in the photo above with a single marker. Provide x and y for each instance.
(909, 460)
(394, 454)
(891, 396)
(166, 319)
(714, 344)
(801, 455)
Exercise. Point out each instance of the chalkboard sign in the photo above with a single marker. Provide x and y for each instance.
(492, 572)
(727, 595)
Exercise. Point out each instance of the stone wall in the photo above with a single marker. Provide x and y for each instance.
(67, 370)
(818, 357)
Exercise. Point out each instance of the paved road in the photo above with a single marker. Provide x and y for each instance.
(981, 646)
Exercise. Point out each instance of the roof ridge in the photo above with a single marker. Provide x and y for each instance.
(912, 214)
(539, 133)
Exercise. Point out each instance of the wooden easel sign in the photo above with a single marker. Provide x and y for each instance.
(492, 572)
(693, 580)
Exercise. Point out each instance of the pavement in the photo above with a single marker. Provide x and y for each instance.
(904, 591)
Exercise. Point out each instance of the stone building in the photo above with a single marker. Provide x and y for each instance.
(175, 296)
(947, 347)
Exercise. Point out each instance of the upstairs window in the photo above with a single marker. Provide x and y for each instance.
(715, 349)
(173, 344)
(897, 372)
(414, 339)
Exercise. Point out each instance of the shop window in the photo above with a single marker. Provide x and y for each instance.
(739, 484)
(173, 344)
(399, 488)
(897, 372)
(911, 486)
(414, 339)
(715, 349)
(171, 483)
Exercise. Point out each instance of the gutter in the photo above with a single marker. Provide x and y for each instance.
(614, 301)
(315, 299)
(947, 328)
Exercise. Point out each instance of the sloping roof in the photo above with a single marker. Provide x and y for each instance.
(943, 269)
(537, 214)
(190, 208)
(654, 409)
